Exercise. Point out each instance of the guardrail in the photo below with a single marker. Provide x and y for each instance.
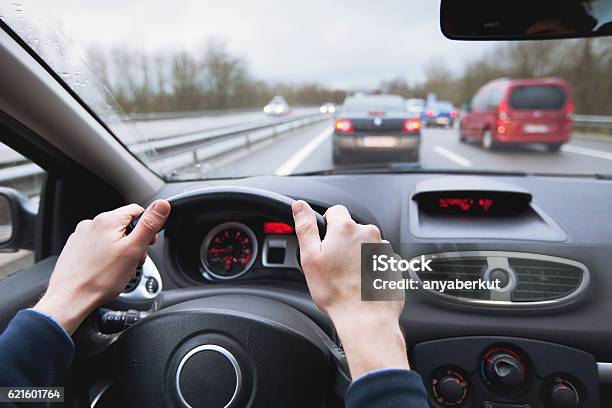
(187, 114)
(170, 154)
(593, 122)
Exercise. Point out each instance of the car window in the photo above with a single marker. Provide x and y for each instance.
(537, 97)
(367, 104)
(495, 97)
(478, 103)
(26, 177)
(444, 106)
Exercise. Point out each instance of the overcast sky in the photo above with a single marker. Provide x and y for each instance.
(341, 43)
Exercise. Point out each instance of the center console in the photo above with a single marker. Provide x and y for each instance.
(505, 372)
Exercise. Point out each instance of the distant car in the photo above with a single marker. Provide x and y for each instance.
(278, 106)
(376, 127)
(441, 113)
(520, 111)
(328, 108)
(415, 105)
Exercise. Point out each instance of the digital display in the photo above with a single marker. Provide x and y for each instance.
(473, 203)
(466, 204)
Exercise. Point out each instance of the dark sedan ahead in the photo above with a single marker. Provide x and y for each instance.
(376, 127)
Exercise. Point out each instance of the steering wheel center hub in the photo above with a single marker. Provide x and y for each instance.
(208, 375)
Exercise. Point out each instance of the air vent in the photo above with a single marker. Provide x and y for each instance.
(543, 280)
(531, 280)
(462, 269)
(133, 283)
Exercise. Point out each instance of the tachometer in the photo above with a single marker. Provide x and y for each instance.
(228, 251)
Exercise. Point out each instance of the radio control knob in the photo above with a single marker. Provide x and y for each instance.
(505, 369)
(564, 395)
(450, 389)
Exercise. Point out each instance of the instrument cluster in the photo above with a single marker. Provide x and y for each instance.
(234, 248)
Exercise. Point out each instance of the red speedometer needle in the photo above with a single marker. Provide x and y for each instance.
(228, 261)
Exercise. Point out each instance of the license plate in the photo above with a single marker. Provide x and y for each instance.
(536, 128)
(380, 141)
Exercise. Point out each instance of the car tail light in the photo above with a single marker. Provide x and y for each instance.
(570, 108)
(277, 228)
(503, 114)
(344, 126)
(454, 114)
(411, 125)
(431, 114)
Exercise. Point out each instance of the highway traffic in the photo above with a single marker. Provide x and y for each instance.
(310, 149)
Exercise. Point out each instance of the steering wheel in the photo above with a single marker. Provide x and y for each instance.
(224, 349)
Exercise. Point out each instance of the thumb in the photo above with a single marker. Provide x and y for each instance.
(151, 221)
(306, 229)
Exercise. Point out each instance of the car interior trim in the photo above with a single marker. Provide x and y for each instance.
(141, 292)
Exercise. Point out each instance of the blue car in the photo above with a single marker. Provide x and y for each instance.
(441, 113)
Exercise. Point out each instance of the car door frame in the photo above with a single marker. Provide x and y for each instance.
(60, 208)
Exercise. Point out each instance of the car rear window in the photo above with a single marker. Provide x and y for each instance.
(445, 106)
(537, 97)
(379, 104)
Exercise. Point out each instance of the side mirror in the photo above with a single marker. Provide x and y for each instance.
(17, 221)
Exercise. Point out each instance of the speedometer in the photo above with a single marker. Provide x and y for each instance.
(228, 251)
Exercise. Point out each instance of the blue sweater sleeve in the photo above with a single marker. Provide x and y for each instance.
(387, 389)
(34, 351)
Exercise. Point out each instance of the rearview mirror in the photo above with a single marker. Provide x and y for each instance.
(525, 19)
(17, 221)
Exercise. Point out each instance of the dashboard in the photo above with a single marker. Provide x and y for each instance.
(548, 349)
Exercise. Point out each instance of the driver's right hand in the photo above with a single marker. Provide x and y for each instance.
(369, 330)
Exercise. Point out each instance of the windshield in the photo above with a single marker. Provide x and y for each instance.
(238, 88)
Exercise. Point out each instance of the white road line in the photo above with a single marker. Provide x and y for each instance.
(587, 152)
(287, 167)
(454, 157)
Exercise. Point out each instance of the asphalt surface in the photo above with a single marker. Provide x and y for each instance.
(310, 149)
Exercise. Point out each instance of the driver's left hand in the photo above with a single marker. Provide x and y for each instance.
(98, 261)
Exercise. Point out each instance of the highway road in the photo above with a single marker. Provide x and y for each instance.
(310, 149)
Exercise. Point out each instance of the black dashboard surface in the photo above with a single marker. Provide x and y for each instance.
(578, 206)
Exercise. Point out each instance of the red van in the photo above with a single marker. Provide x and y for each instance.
(516, 111)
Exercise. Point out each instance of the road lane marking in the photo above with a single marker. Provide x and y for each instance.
(587, 152)
(452, 156)
(294, 161)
